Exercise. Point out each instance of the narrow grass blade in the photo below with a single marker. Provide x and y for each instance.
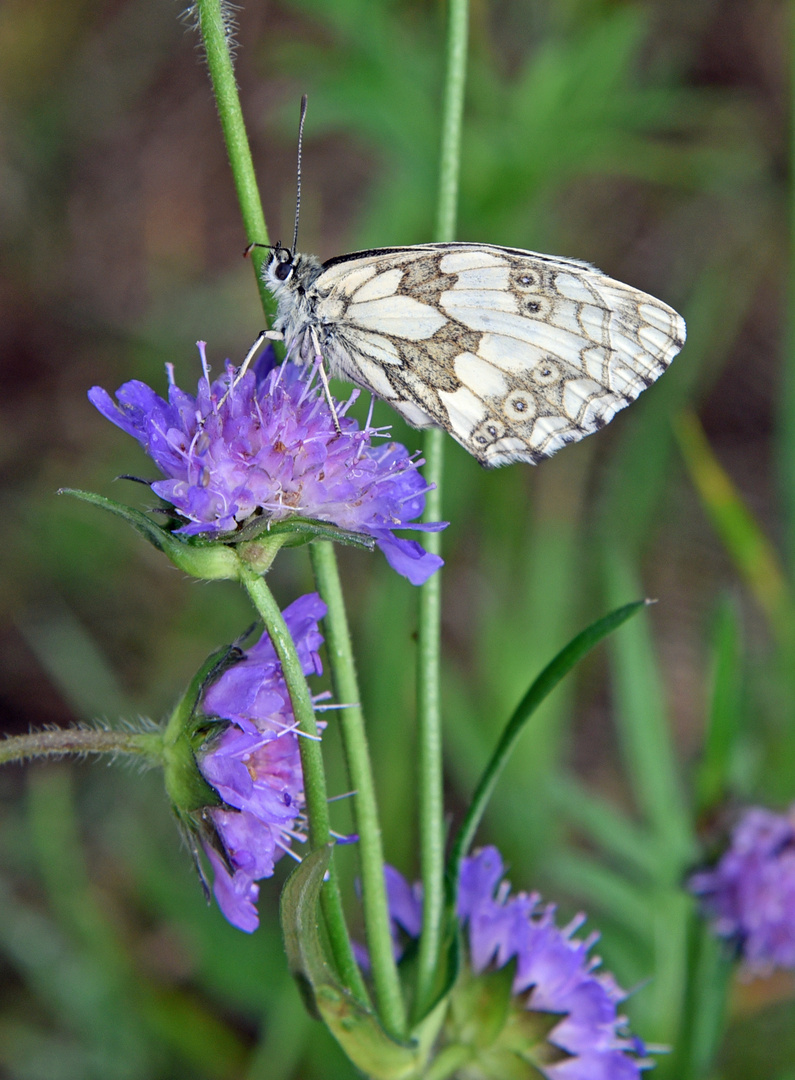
(753, 554)
(602, 823)
(539, 690)
(603, 889)
(644, 731)
(712, 778)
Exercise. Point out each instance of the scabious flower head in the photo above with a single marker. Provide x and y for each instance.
(255, 765)
(270, 449)
(529, 996)
(750, 894)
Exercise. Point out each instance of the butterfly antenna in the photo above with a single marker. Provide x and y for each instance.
(298, 183)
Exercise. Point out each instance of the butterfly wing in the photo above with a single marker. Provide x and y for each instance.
(513, 352)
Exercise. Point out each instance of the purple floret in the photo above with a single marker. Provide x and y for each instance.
(750, 894)
(271, 449)
(554, 974)
(255, 765)
(553, 970)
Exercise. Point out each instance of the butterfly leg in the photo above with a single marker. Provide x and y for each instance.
(264, 335)
(324, 379)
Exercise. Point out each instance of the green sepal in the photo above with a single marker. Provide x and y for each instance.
(256, 543)
(355, 1027)
(186, 732)
(296, 531)
(209, 560)
(491, 1028)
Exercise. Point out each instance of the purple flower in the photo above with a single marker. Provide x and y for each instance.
(562, 1016)
(255, 765)
(270, 449)
(405, 914)
(750, 894)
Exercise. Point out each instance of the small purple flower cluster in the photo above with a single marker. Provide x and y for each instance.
(750, 893)
(554, 973)
(269, 447)
(255, 765)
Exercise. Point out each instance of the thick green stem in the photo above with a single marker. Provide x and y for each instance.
(389, 996)
(222, 76)
(431, 809)
(313, 771)
(40, 744)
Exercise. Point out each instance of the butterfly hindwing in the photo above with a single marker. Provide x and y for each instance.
(513, 352)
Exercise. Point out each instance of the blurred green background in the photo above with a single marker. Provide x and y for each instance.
(649, 138)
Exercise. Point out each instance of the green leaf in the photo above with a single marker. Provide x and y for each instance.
(209, 560)
(543, 685)
(355, 1027)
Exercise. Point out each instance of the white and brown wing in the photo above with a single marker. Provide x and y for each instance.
(513, 352)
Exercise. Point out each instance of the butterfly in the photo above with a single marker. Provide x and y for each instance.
(514, 353)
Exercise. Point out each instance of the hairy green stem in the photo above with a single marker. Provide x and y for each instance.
(386, 981)
(431, 809)
(39, 744)
(222, 75)
(313, 772)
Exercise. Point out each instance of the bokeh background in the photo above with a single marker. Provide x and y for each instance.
(650, 138)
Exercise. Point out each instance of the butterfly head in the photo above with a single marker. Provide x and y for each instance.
(287, 270)
(289, 275)
(281, 264)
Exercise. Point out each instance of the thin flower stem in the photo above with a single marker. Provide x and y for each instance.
(313, 772)
(215, 35)
(39, 744)
(431, 809)
(452, 121)
(391, 1006)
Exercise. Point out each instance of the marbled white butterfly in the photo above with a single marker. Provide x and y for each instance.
(514, 353)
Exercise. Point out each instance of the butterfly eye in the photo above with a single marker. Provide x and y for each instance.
(283, 270)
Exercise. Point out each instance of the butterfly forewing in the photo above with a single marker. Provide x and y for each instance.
(513, 352)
